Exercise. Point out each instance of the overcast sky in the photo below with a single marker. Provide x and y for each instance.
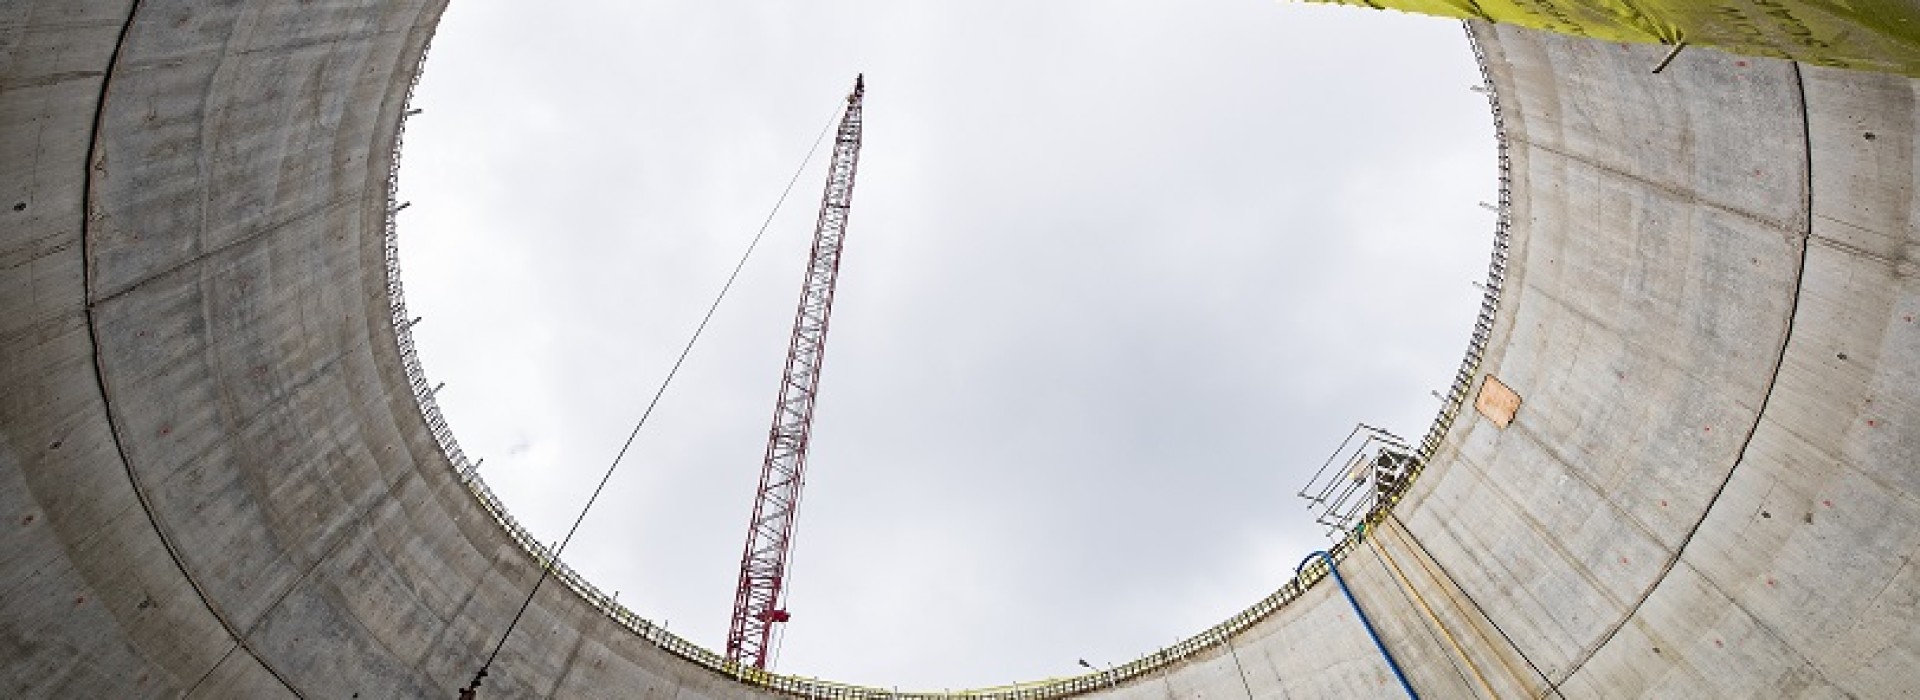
(1118, 276)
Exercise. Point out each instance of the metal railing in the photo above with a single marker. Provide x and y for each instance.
(1215, 637)
(1456, 399)
(1368, 465)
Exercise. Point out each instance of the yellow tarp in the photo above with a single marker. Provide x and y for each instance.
(1880, 35)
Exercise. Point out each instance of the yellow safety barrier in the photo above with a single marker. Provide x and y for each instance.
(1877, 35)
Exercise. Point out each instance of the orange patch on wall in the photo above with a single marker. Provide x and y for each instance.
(1497, 402)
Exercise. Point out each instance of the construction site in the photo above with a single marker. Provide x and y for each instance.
(1680, 458)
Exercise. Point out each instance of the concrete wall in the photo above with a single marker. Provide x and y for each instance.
(1711, 488)
(214, 480)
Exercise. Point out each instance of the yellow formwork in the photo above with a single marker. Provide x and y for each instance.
(1878, 35)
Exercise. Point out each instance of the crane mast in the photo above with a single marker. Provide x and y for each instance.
(758, 604)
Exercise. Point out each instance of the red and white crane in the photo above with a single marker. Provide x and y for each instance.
(758, 604)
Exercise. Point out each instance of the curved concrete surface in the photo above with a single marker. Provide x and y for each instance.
(215, 480)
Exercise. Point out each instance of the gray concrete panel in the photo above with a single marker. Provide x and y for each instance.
(94, 605)
(1621, 338)
(240, 675)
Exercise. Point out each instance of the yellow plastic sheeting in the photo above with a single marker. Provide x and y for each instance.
(1880, 35)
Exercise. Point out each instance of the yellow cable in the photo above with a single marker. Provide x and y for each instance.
(1399, 531)
(1404, 581)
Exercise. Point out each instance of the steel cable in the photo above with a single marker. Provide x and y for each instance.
(546, 570)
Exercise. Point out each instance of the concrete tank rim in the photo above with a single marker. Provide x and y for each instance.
(1452, 404)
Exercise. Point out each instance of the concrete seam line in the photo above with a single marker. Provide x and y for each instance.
(80, 545)
(1770, 630)
(332, 549)
(573, 656)
(1476, 471)
(1671, 190)
(1452, 662)
(1237, 667)
(1773, 383)
(197, 258)
(1398, 528)
(1380, 550)
(323, 370)
(99, 368)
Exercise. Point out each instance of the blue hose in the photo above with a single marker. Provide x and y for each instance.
(1404, 685)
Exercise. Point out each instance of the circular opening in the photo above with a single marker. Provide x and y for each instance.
(1115, 284)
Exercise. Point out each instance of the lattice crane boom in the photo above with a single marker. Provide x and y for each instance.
(758, 604)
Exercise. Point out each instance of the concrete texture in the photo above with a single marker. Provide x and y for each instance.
(215, 479)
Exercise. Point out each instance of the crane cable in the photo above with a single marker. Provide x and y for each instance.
(546, 570)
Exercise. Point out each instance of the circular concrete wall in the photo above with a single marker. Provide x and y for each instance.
(216, 479)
